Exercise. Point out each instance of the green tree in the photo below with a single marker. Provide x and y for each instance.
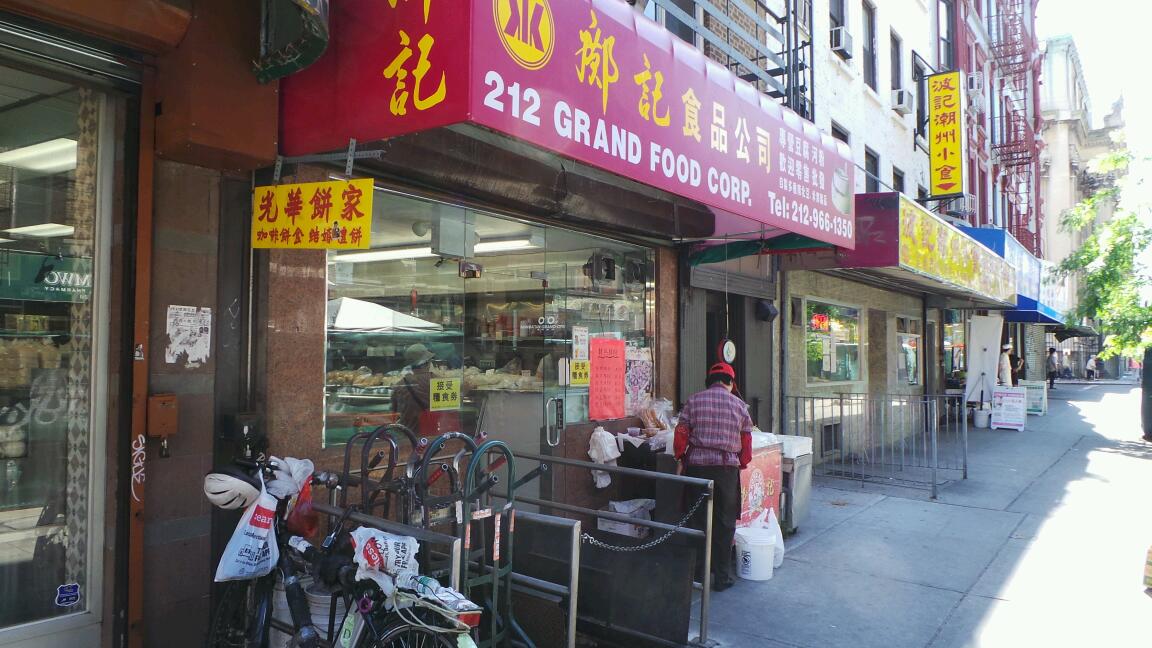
(1111, 264)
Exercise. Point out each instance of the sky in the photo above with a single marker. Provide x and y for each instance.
(1113, 38)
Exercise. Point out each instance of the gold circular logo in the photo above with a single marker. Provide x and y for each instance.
(526, 29)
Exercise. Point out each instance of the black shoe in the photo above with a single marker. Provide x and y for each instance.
(722, 585)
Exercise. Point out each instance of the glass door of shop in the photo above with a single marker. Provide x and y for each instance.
(56, 150)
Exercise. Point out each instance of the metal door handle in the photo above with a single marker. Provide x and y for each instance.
(553, 425)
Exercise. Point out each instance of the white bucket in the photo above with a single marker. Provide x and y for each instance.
(755, 551)
(319, 603)
(982, 418)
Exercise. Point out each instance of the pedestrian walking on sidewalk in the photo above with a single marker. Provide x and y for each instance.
(1053, 366)
(714, 441)
(1090, 368)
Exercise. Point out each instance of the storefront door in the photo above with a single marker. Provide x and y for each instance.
(56, 154)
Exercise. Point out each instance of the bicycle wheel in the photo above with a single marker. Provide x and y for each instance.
(234, 617)
(402, 635)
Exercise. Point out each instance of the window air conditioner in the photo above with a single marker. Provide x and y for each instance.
(964, 206)
(902, 102)
(975, 82)
(977, 103)
(842, 42)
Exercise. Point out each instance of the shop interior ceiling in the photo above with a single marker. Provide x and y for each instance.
(35, 113)
(400, 222)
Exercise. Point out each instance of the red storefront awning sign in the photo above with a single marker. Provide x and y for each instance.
(591, 80)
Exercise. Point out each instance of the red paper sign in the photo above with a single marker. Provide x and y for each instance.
(590, 80)
(606, 388)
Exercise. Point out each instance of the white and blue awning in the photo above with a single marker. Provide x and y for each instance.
(1040, 297)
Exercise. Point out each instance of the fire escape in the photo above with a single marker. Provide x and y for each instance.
(1013, 132)
(771, 51)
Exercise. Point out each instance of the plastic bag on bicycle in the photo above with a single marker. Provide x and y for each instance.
(252, 552)
(381, 556)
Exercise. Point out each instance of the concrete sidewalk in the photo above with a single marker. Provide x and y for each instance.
(1043, 545)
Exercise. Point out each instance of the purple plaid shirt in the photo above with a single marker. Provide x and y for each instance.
(717, 419)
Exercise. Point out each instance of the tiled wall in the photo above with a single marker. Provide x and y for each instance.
(177, 520)
(873, 303)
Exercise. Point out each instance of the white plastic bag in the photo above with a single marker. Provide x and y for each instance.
(381, 557)
(252, 552)
(603, 450)
(773, 525)
(290, 476)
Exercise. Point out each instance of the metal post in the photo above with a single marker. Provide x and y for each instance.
(573, 584)
(964, 432)
(934, 427)
(706, 597)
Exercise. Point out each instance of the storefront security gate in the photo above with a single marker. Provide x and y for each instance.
(916, 441)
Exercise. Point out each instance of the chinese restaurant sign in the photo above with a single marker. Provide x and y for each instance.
(946, 138)
(895, 232)
(588, 79)
(333, 215)
(606, 388)
(932, 247)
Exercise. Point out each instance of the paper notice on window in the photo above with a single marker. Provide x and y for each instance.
(606, 384)
(189, 331)
(829, 353)
(579, 342)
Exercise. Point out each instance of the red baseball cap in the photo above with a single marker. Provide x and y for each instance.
(722, 368)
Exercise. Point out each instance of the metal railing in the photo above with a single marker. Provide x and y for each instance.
(907, 440)
(665, 531)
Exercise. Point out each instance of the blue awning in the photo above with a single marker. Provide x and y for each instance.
(1038, 299)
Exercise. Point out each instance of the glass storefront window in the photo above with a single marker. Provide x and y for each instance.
(832, 342)
(908, 332)
(908, 359)
(955, 351)
(49, 138)
(458, 319)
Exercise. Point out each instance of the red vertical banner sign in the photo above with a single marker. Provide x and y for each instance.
(606, 386)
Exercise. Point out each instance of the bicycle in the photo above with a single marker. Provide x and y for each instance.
(414, 615)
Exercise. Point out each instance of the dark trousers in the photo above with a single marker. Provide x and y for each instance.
(725, 512)
(1051, 379)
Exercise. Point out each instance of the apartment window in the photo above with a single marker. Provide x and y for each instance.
(869, 45)
(897, 62)
(897, 180)
(673, 24)
(836, 13)
(945, 14)
(872, 171)
(839, 133)
(804, 14)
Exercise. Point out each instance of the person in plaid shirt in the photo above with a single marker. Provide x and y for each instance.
(714, 441)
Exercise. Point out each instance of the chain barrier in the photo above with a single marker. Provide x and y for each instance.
(587, 537)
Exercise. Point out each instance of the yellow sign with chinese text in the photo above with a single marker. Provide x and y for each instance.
(581, 373)
(932, 247)
(946, 133)
(444, 394)
(335, 215)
